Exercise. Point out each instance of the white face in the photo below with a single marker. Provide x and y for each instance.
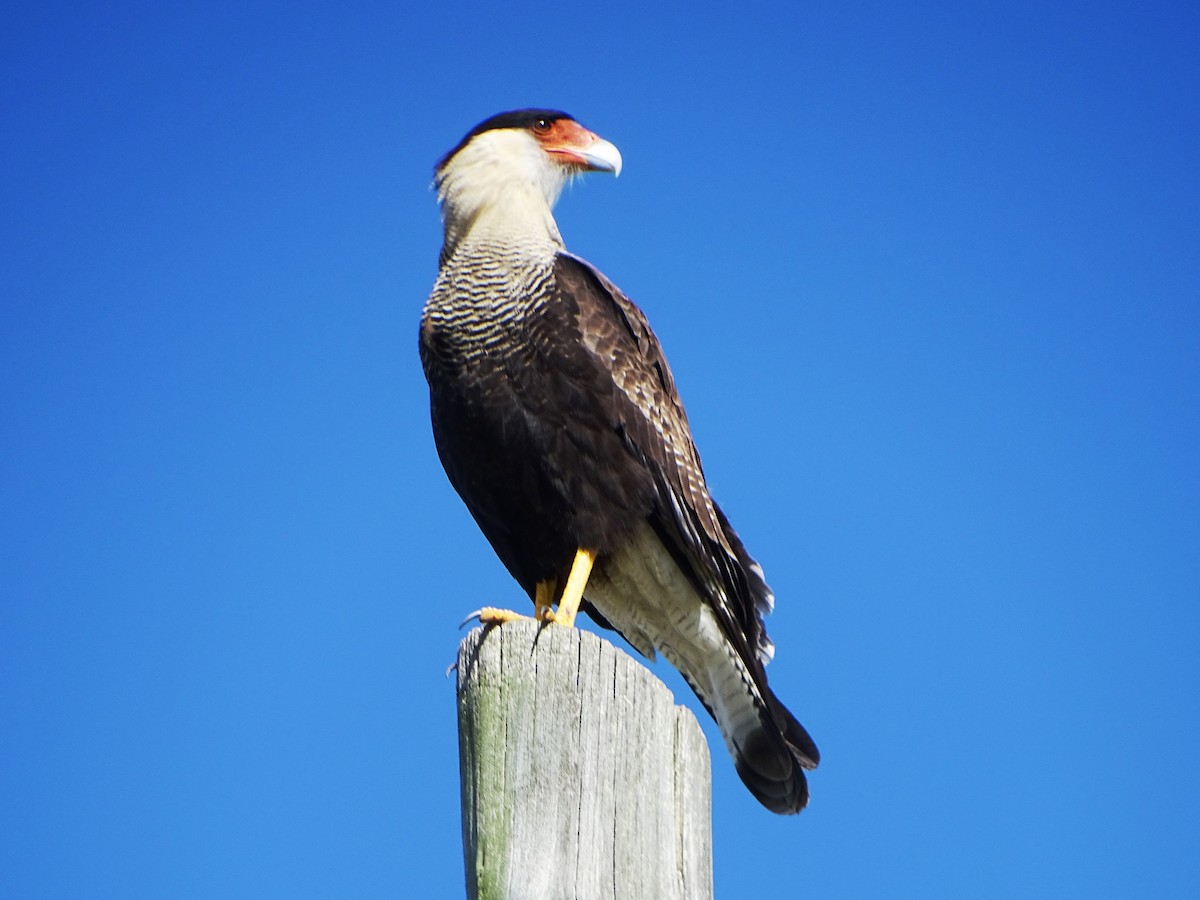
(545, 156)
(496, 163)
(504, 182)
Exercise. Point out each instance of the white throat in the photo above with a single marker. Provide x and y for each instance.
(500, 185)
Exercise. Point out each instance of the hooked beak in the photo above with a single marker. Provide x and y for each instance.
(601, 156)
(577, 147)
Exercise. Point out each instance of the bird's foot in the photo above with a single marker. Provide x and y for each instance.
(559, 617)
(490, 615)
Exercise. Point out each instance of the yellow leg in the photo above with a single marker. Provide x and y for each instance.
(543, 597)
(568, 604)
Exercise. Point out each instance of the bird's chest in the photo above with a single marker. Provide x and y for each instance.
(477, 319)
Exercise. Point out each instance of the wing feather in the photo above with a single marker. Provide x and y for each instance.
(649, 415)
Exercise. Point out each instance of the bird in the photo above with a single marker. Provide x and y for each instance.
(559, 425)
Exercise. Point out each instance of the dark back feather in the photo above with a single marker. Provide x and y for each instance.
(650, 417)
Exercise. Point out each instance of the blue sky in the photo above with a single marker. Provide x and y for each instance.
(929, 279)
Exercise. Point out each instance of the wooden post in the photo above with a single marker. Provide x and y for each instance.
(581, 778)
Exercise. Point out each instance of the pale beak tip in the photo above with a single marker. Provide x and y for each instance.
(603, 156)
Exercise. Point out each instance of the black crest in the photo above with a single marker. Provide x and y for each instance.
(517, 118)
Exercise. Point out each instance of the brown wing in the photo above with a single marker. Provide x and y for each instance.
(650, 417)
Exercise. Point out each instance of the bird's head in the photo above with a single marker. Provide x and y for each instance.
(518, 163)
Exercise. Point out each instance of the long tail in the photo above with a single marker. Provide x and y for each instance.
(770, 748)
(771, 759)
(642, 592)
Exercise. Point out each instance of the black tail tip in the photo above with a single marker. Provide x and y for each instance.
(786, 797)
(773, 773)
(772, 761)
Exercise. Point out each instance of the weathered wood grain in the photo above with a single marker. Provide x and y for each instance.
(581, 778)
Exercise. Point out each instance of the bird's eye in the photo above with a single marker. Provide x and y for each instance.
(541, 126)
